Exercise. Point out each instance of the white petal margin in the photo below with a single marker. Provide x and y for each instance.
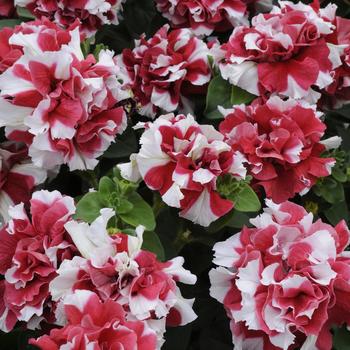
(221, 283)
(248, 282)
(200, 212)
(244, 75)
(5, 204)
(177, 270)
(184, 307)
(11, 115)
(62, 285)
(173, 196)
(93, 241)
(310, 343)
(332, 142)
(130, 171)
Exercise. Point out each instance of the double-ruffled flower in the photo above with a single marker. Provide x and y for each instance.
(281, 142)
(62, 105)
(92, 14)
(117, 269)
(183, 160)
(284, 281)
(96, 325)
(283, 52)
(204, 16)
(337, 94)
(163, 70)
(32, 247)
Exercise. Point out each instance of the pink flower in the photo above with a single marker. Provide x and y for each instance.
(31, 250)
(284, 52)
(35, 36)
(183, 160)
(18, 176)
(165, 68)
(338, 93)
(63, 106)
(8, 53)
(281, 141)
(92, 324)
(203, 16)
(285, 280)
(6, 8)
(115, 268)
(91, 13)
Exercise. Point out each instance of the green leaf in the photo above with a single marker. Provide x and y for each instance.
(239, 96)
(86, 47)
(98, 49)
(123, 146)
(341, 339)
(151, 242)
(88, 208)
(337, 212)
(9, 23)
(222, 93)
(141, 214)
(219, 94)
(330, 190)
(246, 200)
(339, 174)
(124, 206)
(106, 187)
(219, 224)
(24, 13)
(238, 220)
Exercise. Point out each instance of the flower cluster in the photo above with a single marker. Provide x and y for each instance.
(92, 324)
(32, 247)
(281, 142)
(226, 104)
(92, 14)
(284, 52)
(62, 105)
(338, 92)
(116, 268)
(48, 260)
(163, 70)
(33, 37)
(183, 160)
(18, 176)
(284, 281)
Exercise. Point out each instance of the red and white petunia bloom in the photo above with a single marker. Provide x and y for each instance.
(285, 281)
(92, 14)
(337, 94)
(183, 160)
(63, 106)
(204, 16)
(93, 324)
(283, 52)
(281, 142)
(163, 70)
(33, 37)
(32, 247)
(115, 267)
(18, 176)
